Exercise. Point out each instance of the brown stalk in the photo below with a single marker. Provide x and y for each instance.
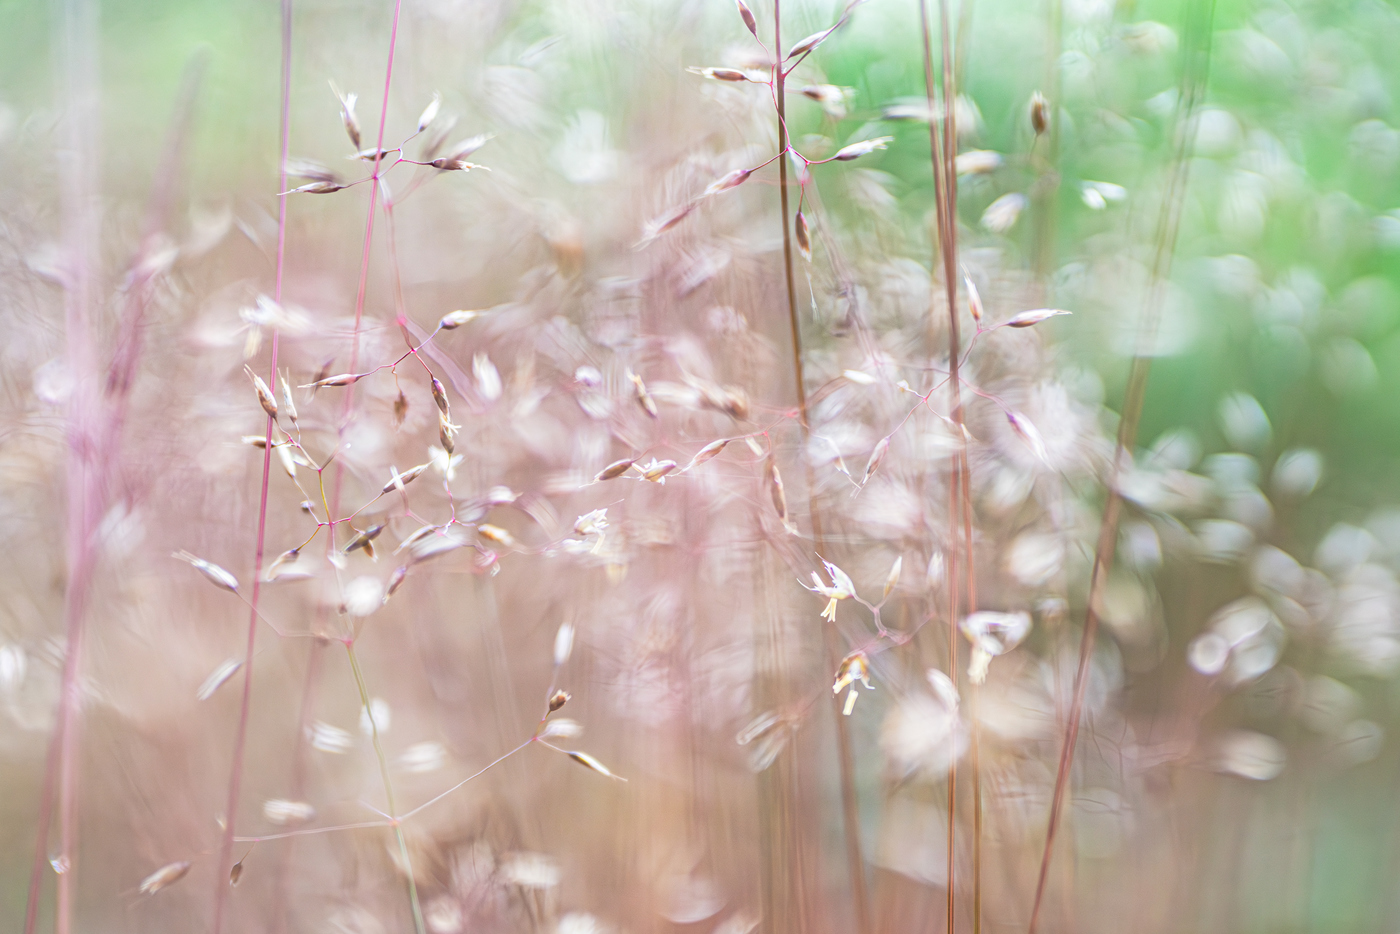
(1195, 70)
(942, 153)
(850, 811)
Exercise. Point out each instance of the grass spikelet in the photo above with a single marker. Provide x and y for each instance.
(164, 877)
(212, 572)
(588, 762)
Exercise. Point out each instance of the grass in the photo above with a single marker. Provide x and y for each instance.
(750, 417)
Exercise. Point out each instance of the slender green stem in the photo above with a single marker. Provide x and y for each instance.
(388, 788)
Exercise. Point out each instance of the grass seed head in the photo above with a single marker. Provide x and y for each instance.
(831, 97)
(614, 470)
(809, 43)
(265, 397)
(314, 171)
(657, 470)
(289, 464)
(862, 148)
(455, 319)
(854, 668)
(588, 762)
(563, 644)
(1027, 319)
(876, 456)
(804, 238)
(1027, 432)
(430, 112)
(893, 579)
(776, 492)
(1040, 113)
(347, 115)
(395, 581)
(284, 559)
(592, 523)
(445, 432)
(558, 699)
(974, 299)
(977, 162)
(282, 812)
(708, 452)
(659, 225)
(212, 572)
(747, 15)
(644, 398)
(496, 534)
(166, 875)
(721, 74)
(1001, 214)
(287, 402)
(317, 188)
(363, 539)
(400, 480)
(440, 396)
(340, 379)
(727, 181)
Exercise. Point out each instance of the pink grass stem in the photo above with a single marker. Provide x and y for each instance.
(364, 261)
(221, 886)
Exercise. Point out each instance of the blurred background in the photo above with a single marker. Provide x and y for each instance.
(1210, 185)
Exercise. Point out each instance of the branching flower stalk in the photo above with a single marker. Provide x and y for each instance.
(416, 908)
(1196, 69)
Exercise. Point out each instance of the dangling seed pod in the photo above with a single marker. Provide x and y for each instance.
(776, 492)
(1040, 113)
(265, 396)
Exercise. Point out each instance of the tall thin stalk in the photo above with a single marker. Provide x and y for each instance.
(221, 885)
(850, 805)
(360, 293)
(81, 227)
(1195, 70)
(106, 428)
(942, 153)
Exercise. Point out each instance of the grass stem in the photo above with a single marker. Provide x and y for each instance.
(850, 803)
(1195, 71)
(225, 858)
(418, 926)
